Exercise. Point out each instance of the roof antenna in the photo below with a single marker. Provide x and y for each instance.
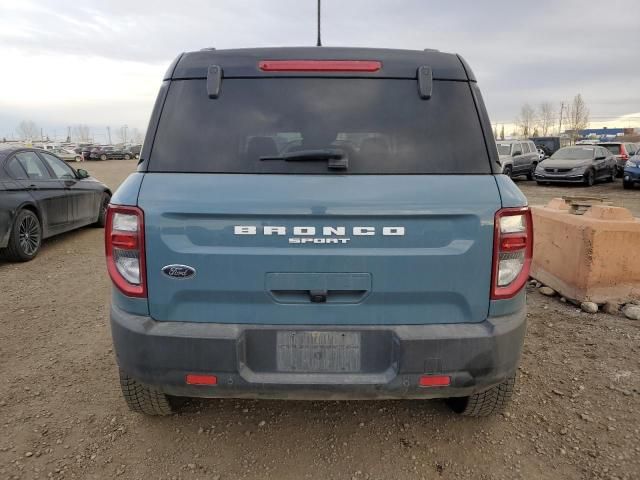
(319, 43)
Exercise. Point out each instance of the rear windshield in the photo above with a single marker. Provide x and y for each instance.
(380, 125)
(504, 148)
(615, 149)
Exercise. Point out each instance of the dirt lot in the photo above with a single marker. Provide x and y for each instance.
(576, 412)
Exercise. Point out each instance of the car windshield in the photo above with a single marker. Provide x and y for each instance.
(613, 148)
(574, 153)
(504, 148)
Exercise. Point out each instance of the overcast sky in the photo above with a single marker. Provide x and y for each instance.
(101, 62)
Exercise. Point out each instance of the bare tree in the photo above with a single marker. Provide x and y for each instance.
(81, 133)
(577, 117)
(27, 130)
(546, 118)
(136, 136)
(526, 120)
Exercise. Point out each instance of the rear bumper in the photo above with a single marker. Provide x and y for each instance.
(476, 356)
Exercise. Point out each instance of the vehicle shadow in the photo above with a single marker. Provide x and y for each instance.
(50, 245)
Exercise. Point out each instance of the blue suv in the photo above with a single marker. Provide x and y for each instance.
(318, 223)
(631, 174)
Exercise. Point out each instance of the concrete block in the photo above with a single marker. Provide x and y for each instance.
(590, 257)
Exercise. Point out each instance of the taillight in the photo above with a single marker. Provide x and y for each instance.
(124, 243)
(512, 251)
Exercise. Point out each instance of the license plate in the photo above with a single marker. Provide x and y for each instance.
(318, 352)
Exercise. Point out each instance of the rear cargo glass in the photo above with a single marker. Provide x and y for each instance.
(615, 149)
(381, 124)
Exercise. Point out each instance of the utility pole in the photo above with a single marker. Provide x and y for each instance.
(560, 123)
(109, 134)
(319, 42)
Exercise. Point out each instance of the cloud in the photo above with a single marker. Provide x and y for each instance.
(105, 54)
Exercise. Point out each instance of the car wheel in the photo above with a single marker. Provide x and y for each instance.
(25, 238)
(534, 165)
(137, 156)
(508, 171)
(485, 403)
(103, 157)
(589, 178)
(612, 175)
(102, 216)
(627, 185)
(144, 398)
(78, 158)
(127, 157)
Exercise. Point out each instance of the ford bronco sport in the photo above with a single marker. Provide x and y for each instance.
(318, 223)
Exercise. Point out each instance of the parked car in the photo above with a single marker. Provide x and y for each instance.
(631, 175)
(109, 153)
(67, 155)
(518, 157)
(550, 145)
(622, 151)
(86, 151)
(134, 150)
(42, 196)
(323, 271)
(581, 163)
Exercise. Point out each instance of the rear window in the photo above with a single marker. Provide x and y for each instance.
(381, 125)
(615, 149)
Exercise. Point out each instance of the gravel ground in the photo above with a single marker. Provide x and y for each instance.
(576, 412)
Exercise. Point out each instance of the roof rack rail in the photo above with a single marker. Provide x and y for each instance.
(431, 50)
(206, 49)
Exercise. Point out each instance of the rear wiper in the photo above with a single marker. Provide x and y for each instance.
(336, 158)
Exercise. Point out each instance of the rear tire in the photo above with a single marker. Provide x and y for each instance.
(25, 238)
(612, 176)
(483, 404)
(102, 216)
(144, 398)
(127, 157)
(534, 165)
(78, 158)
(103, 157)
(508, 171)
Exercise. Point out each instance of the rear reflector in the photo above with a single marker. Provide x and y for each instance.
(320, 66)
(193, 379)
(435, 381)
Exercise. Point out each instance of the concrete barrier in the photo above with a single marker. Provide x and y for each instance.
(593, 257)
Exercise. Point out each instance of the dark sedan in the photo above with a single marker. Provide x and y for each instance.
(110, 153)
(42, 196)
(579, 164)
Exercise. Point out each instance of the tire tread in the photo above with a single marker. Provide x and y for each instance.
(142, 398)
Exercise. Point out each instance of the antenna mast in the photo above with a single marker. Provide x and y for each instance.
(319, 43)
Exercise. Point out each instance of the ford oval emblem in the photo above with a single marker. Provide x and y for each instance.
(179, 272)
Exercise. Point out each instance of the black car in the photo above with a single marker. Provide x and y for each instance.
(134, 150)
(42, 196)
(550, 145)
(579, 164)
(110, 153)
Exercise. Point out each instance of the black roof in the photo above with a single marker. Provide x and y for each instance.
(395, 63)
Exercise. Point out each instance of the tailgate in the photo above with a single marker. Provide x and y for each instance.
(319, 249)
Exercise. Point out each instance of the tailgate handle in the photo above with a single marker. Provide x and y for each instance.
(318, 296)
(289, 288)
